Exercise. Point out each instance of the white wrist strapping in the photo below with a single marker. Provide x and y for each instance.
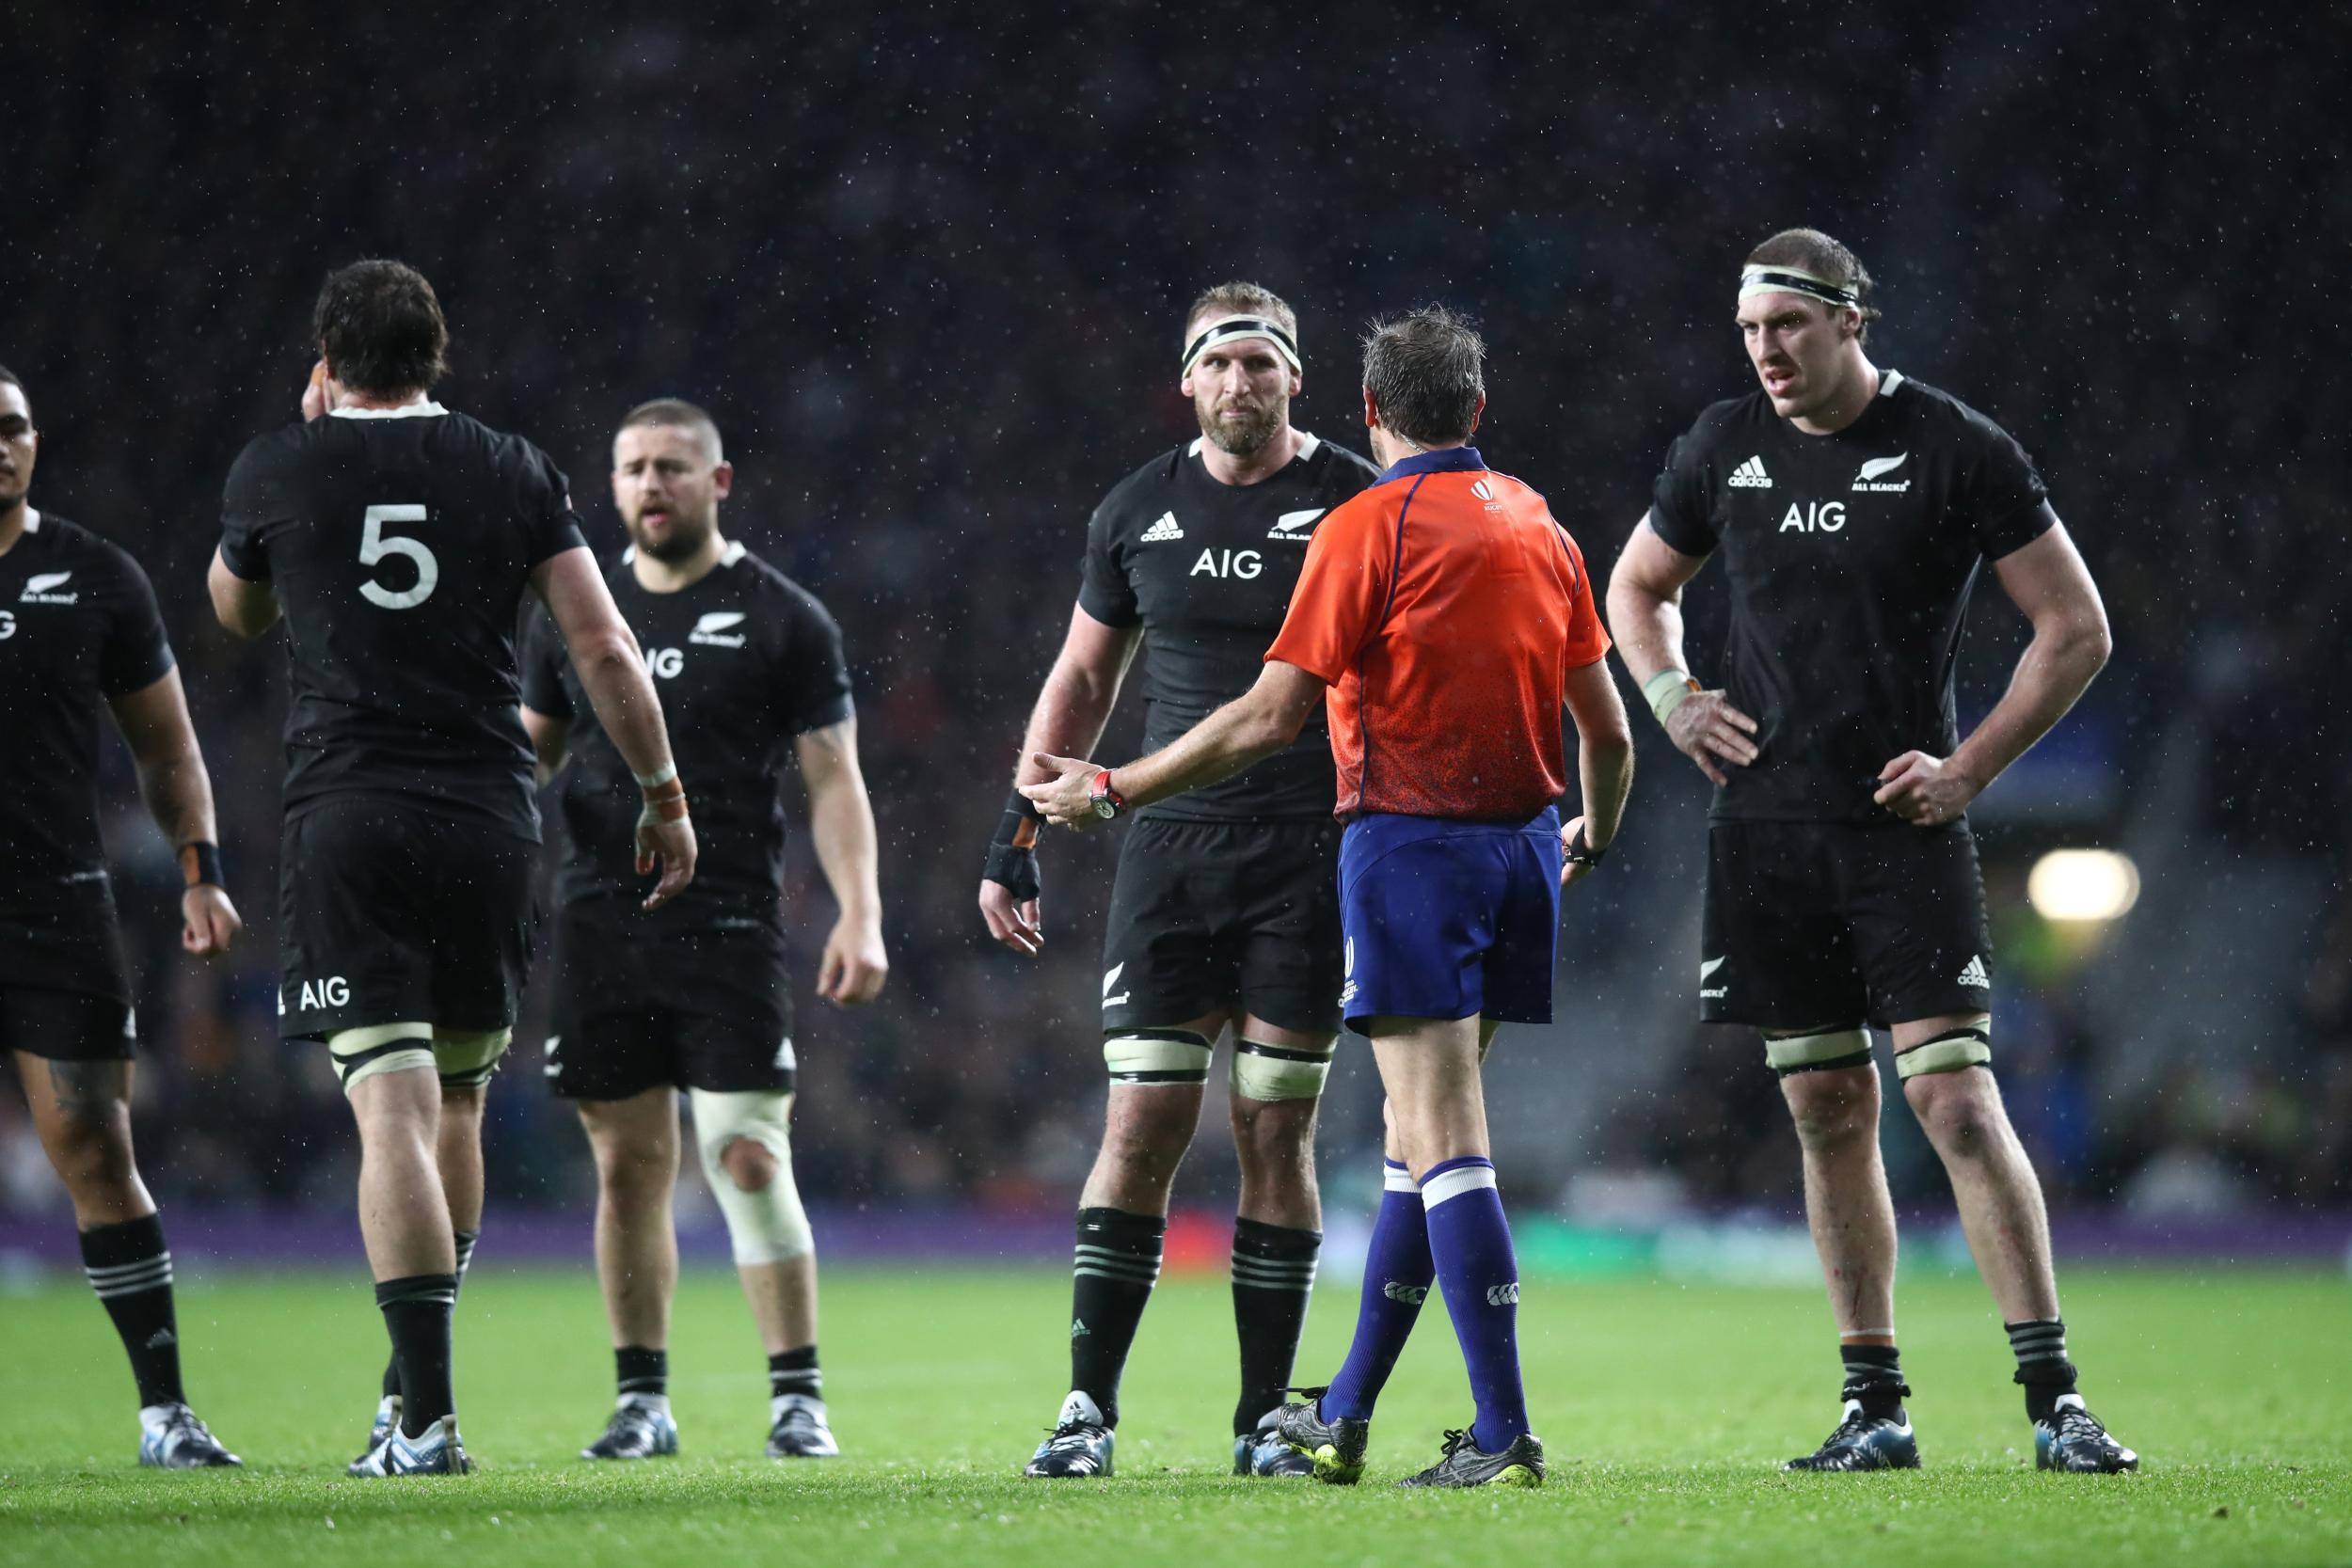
(655, 781)
(1667, 690)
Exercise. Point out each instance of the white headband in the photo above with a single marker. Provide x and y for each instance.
(1226, 329)
(1791, 280)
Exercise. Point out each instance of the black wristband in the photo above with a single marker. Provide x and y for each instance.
(200, 863)
(1012, 853)
(1581, 853)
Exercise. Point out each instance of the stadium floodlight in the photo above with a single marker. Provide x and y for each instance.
(2083, 884)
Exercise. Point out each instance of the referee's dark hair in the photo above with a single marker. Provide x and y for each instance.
(10, 378)
(379, 324)
(1426, 372)
(1810, 251)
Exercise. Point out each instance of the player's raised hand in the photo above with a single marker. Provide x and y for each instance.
(209, 922)
(854, 966)
(670, 845)
(314, 395)
(1066, 797)
(1925, 791)
(1706, 728)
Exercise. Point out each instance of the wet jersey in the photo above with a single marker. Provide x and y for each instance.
(401, 543)
(1851, 558)
(1207, 568)
(78, 627)
(744, 659)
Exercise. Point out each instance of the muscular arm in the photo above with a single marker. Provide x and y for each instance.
(1079, 693)
(612, 670)
(155, 724)
(841, 826)
(246, 607)
(1253, 726)
(1646, 619)
(1604, 750)
(549, 736)
(2048, 582)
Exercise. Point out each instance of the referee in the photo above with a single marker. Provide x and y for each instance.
(1444, 617)
(1854, 509)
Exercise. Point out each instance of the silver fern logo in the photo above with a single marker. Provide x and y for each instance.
(1873, 475)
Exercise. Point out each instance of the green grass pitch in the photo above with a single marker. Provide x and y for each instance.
(1666, 1408)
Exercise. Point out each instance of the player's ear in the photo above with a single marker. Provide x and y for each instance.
(721, 479)
(1186, 384)
(1299, 383)
(1476, 414)
(1372, 409)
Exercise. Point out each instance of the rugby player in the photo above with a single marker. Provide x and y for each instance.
(398, 539)
(695, 995)
(79, 633)
(1225, 911)
(1445, 618)
(1855, 509)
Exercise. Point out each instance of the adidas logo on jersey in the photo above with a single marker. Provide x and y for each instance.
(40, 589)
(1872, 477)
(712, 629)
(1751, 476)
(1166, 529)
(1974, 976)
(1293, 525)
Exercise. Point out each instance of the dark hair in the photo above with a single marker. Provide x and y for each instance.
(1238, 298)
(380, 326)
(9, 378)
(1426, 374)
(1810, 251)
(678, 411)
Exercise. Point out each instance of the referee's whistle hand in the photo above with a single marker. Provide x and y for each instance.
(1710, 731)
(1066, 799)
(1012, 922)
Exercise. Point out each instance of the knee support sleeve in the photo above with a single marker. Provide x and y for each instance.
(1157, 1056)
(1820, 1052)
(359, 1054)
(768, 1225)
(468, 1057)
(1263, 1071)
(1953, 1050)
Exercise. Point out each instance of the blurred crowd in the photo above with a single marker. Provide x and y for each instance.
(928, 266)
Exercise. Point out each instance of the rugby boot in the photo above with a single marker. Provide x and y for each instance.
(2073, 1439)
(641, 1427)
(1465, 1463)
(171, 1439)
(1864, 1443)
(1336, 1446)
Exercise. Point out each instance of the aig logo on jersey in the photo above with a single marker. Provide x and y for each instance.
(333, 992)
(8, 625)
(1815, 517)
(1228, 564)
(1873, 476)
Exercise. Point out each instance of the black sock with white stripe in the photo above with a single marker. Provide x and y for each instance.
(794, 1374)
(1118, 1261)
(466, 1240)
(130, 1268)
(2039, 1345)
(1273, 1273)
(1874, 1380)
(415, 1314)
(639, 1370)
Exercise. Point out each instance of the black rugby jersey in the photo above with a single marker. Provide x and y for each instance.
(745, 660)
(78, 627)
(401, 543)
(1851, 559)
(1207, 568)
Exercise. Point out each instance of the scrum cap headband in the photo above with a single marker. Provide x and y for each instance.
(1788, 281)
(1226, 329)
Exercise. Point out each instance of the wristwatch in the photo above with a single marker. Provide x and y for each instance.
(1107, 801)
(1581, 853)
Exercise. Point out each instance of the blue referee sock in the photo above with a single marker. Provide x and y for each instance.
(1471, 1242)
(1397, 1272)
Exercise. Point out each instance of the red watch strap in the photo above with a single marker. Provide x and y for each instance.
(1103, 788)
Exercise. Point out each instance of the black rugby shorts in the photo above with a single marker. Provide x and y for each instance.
(1826, 925)
(66, 1025)
(1207, 914)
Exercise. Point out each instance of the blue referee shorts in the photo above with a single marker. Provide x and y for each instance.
(1444, 919)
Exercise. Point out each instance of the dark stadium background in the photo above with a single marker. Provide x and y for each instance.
(927, 264)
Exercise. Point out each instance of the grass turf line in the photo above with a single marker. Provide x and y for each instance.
(1666, 1408)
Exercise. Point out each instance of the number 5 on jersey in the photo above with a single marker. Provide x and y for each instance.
(375, 545)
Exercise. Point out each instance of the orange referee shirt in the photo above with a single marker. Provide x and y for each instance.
(1444, 608)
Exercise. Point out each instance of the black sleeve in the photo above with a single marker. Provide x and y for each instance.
(137, 653)
(245, 507)
(554, 527)
(1104, 591)
(1681, 511)
(543, 661)
(2005, 497)
(810, 685)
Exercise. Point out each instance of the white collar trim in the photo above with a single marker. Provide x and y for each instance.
(424, 408)
(31, 520)
(1890, 381)
(1308, 442)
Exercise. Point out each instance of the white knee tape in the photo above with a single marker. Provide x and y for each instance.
(1263, 1071)
(366, 1052)
(1953, 1050)
(768, 1225)
(1157, 1056)
(470, 1057)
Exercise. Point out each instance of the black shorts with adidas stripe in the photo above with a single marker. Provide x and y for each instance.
(1824, 925)
(1208, 915)
(682, 996)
